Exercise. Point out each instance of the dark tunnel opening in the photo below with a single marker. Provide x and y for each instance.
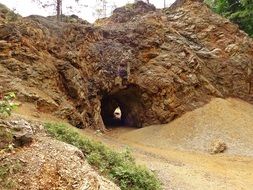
(128, 101)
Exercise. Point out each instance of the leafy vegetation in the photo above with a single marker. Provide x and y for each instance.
(7, 170)
(119, 167)
(238, 11)
(7, 104)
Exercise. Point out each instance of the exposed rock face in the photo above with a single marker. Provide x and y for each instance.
(178, 59)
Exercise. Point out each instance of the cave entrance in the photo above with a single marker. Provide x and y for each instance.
(122, 108)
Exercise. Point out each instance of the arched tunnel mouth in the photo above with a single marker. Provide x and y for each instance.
(130, 104)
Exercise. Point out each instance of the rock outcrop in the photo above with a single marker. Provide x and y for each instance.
(177, 58)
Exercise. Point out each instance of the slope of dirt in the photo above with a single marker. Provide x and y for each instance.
(45, 163)
(230, 121)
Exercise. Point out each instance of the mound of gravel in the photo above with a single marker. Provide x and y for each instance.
(230, 120)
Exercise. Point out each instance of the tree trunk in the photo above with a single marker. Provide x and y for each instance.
(59, 9)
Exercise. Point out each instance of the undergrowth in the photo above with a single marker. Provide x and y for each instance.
(119, 167)
(7, 171)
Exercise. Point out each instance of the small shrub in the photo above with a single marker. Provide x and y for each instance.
(7, 104)
(119, 167)
(7, 170)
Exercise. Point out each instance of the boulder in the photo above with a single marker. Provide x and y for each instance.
(22, 132)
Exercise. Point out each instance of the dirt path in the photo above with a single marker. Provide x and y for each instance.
(182, 170)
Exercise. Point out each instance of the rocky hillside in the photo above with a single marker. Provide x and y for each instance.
(36, 161)
(178, 58)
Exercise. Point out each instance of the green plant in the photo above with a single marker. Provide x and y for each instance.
(7, 170)
(119, 167)
(7, 104)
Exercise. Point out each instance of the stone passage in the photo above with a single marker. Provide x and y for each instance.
(130, 103)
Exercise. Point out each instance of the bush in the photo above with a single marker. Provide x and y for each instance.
(7, 170)
(119, 167)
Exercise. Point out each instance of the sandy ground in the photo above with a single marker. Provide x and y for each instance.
(184, 170)
(230, 121)
(177, 152)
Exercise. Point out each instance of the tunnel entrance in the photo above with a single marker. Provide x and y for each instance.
(129, 102)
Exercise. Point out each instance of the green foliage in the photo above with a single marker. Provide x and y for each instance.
(119, 167)
(7, 170)
(238, 11)
(7, 104)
